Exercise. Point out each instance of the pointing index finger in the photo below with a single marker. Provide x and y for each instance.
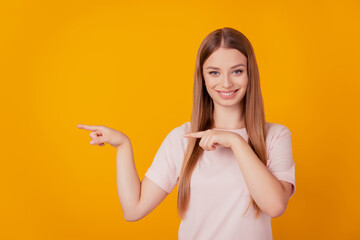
(194, 134)
(87, 127)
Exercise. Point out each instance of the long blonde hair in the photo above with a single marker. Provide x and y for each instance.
(202, 112)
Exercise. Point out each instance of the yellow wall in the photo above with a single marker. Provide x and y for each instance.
(130, 67)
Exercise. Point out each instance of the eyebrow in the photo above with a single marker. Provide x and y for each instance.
(237, 65)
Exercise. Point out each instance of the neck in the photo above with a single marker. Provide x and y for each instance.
(229, 117)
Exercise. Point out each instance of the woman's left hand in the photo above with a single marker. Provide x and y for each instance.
(210, 138)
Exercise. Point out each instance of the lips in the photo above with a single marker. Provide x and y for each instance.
(227, 94)
(228, 91)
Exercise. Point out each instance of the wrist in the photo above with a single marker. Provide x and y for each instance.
(237, 141)
(124, 144)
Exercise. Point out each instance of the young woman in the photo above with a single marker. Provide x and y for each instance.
(235, 170)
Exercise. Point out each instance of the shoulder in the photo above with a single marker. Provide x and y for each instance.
(175, 137)
(179, 131)
(275, 130)
(277, 135)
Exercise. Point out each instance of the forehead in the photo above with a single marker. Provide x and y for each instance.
(225, 57)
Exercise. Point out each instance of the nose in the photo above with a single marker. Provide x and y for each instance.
(227, 82)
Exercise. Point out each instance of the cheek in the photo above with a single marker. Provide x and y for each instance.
(210, 88)
(243, 81)
(210, 91)
(209, 83)
(244, 86)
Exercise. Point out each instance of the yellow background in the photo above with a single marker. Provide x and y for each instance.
(130, 66)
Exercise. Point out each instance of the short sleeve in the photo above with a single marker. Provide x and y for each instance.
(281, 162)
(163, 170)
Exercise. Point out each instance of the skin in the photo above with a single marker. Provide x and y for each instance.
(227, 113)
(269, 193)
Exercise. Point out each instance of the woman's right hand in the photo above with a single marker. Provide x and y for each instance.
(102, 134)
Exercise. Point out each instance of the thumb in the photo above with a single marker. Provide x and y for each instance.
(96, 141)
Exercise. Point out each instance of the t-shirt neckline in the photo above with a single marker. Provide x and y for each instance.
(234, 129)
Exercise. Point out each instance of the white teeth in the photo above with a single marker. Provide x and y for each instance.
(227, 94)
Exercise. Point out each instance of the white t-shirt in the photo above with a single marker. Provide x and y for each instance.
(218, 193)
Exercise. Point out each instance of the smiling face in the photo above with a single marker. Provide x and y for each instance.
(226, 77)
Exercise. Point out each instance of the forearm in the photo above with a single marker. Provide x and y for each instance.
(264, 187)
(128, 182)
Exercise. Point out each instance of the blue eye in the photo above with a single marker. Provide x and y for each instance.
(212, 72)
